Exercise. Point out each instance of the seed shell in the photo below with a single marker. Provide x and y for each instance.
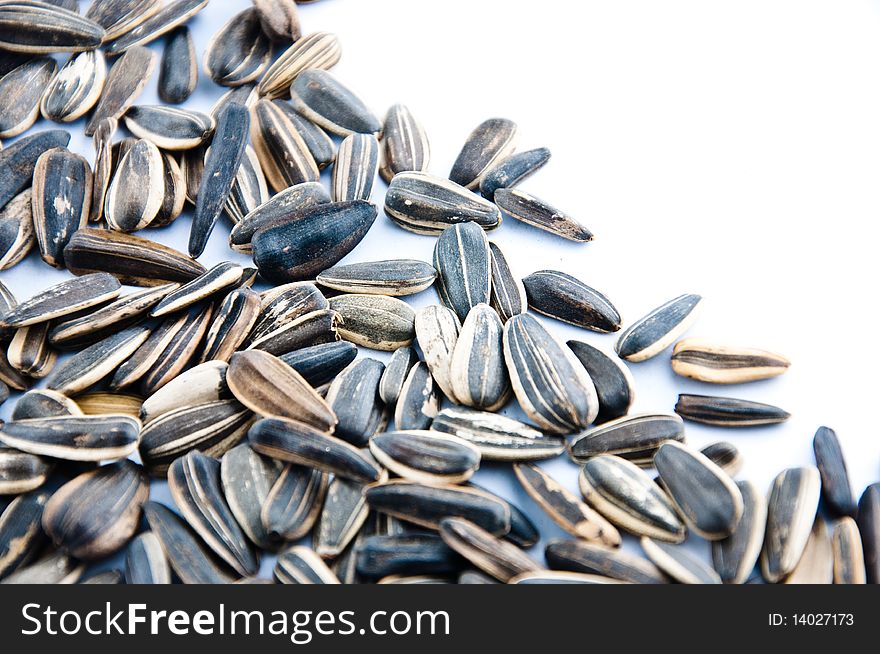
(199, 385)
(169, 128)
(354, 398)
(565, 298)
(533, 211)
(612, 379)
(723, 364)
(239, 51)
(17, 236)
(17, 161)
(91, 365)
(300, 565)
(724, 455)
(233, 322)
(463, 263)
(377, 322)
(508, 296)
(20, 93)
(869, 527)
(313, 328)
(319, 50)
(74, 438)
(287, 204)
(728, 411)
(174, 192)
(247, 479)
(836, 487)
(418, 402)
(216, 280)
(76, 88)
(161, 22)
(487, 552)
(816, 565)
(21, 531)
(178, 69)
(437, 330)
(21, 473)
(396, 371)
(145, 561)
(342, 516)
(381, 556)
(118, 17)
(102, 171)
(650, 335)
(678, 563)
(294, 503)
(581, 556)
(63, 299)
(100, 403)
(53, 568)
(284, 156)
(137, 190)
(319, 364)
(735, 557)
(279, 19)
(321, 98)
(39, 27)
(29, 352)
(791, 511)
(320, 145)
(510, 171)
(405, 144)
(478, 373)
(849, 561)
(425, 456)
(10, 377)
(490, 142)
(148, 354)
(355, 169)
(125, 81)
(556, 577)
(43, 403)
(249, 190)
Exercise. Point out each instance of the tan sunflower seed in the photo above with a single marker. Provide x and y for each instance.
(568, 299)
(614, 383)
(239, 52)
(395, 277)
(489, 553)
(580, 556)
(300, 565)
(29, 351)
(63, 299)
(322, 99)
(816, 565)
(179, 69)
(43, 403)
(100, 403)
(137, 190)
(437, 329)
(508, 296)
(284, 156)
(74, 438)
(375, 321)
(21, 473)
(418, 402)
(118, 17)
(405, 144)
(125, 81)
(355, 169)
(17, 161)
(354, 397)
(634, 437)
(76, 88)
(490, 142)
(725, 456)
(38, 27)
(533, 211)
(279, 19)
(199, 385)
(17, 236)
(247, 479)
(103, 168)
(381, 556)
(463, 263)
(722, 364)
(21, 531)
(728, 411)
(184, 345)
(169, 128)
(294, 503)
(650, 335)
(734, 557)
(249, 190)
(159, 23)
(318, 50)
(478, 373)
(791, 511)
(510, 171)
(836, 487)
(218, 279)
(145, 561)
(678, 563)
(20, 93)
(849, 560)
(53, 568)
(284, 204)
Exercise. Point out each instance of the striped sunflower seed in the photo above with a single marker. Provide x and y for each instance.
(557, 577)
(91, 365)
(322, 99)
(247, 479)
(319, 50)
(233, 322)
(869, 527)
(39, 27)
(53, 568)
(497, 437)
(17, 236)
(836, 488)
(628, 497)
(300, 565)
(118, 17)
(565, 298)
(174, 192)
(294, 503)
(10, 377)
(145, 561)
(478, 373)
(239, 52)
(192, 165)
(342, 516)
(287, 203)
(508, 295)
(735, 557)
(355, 169)
(678, 563)
(246, 95)
(100, 403)
(728, 411)
(319, 364)
(496, 557)
(464, 267)
(63, 299)
(425, 204)
(20, 93)
(405, 144)
(76, 88)
(29, 351)
(310, 329)
(21, 473)
(137, 190)
(17, 161)
(377, 322)
(396, 371)
(320, 145)
(490, 142)
(178, 69)
(279, 19)
(168, 127)
(418, 402)
(249, 190)
(723, 364)
(791, 511)
(381, 556)
(612, 379)
(62, 192)
(523, 532)
(849, 560)
(650, 335)
(161, 22)
(21, 531)
(724, 455)
(74, 438)
(194, 482)
(284, 155)
(199, 385)
(816, 565)
(125, 81)
(43, 403)
(102, 171)
(533, 211)
(581, 556)
(395, 277)
(98, 512)
(551, 386)
(706, 497)
(218, 279)
(354, 398)
(7, 304)
(426, 456)
(510, 171)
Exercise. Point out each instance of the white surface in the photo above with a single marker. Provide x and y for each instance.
(726, 149)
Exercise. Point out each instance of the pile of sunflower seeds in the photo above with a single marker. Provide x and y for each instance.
(270, 430)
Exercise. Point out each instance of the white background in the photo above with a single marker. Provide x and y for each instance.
(722, 148)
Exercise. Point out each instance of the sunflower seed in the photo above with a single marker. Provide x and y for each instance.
(7, 304)
(221, 167)
(510, 171)
(20, 93)
(565, 298)
(29, 351)
(557, 577)
(194, 482)
(10, 377)
(395, 277)
(722, 364)
(232, 324)
(172, 330)
(319, 364)
(125, 81)
(377, 322)
(145, 562)
(728, 411)
(490, 142)
(176, 357)
(418, 402)
(284, 156)
(319, 50)
(650, 335)
(118, 17)
(487, 552)
(63, 299)
(355, 169)
(169, 128)
(62, 193)
(53, 568)
(188, 556)
(427, 457)
(508, 295)
(103, 169)
(425, 204)
(76, 88)
(239, 51)
(437, 331)
(43, 28)
(678, 563)
(249, 190)
(12, 60)
(816, 564)
(612, 379)
(300, 565)
(552, 387)
(21, 531)
(533, 211)
(343, 514)
(405, 144)
(17, 162)
(247, 479)
(320, 145)
(21, 472)
(17, 237)
(313, 328)
(131, 259)
(354, 398)
(523, 532)
(43, 403)
(580, 556)
(791, 511)
(294, 503)
(869, 527)
(199, 385)
(462, 259)
(629, 498)
(286, 205)
(734, 557)
(382, 556)
(849, 561)
(478, 373)
(74, 438)
(836, 489)
(279, 19)
(725, 456)
(178, 70)
(159, 23)
(396, 372)
(174, 192)
(100, 403)
(216, 280)
(137, 190)
(322, 99)
(192, 165)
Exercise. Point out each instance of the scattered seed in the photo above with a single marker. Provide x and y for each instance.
(63, 299)
(313, 328)
(405, 144)
(678, 563)
(41, 28)
(169, 128)
(43, 403)
(53, 568)
(174, 192)
(319, 364)
(74, 438)
(285, 204)
(319, 50)
(216, 280)
(382, 556)
(247, 479)
(21, 473)
(102, 171)
(612, 379)
(199, 385)
(510, 171)
(284, 156)
(722, 364)
(791, 511)
(508, 296)
(159, 23)
(354, 398)
(178, 70)
(396, 372)
(99, 403)
(322, 99)
(725, 456)
(728, 411)
(580, 556)
(849, 561)
(118, 17)
(239, 52)
(137, 190)
(294, 503)
(355, 169)
(125, 81)
(375, 321)
(342, 516)
(734, 557)
(427, 457)
(418, 402)
(17, 161)
(20, 93)
(395, 277)
(462, 259)
(565, 298)
(478, 373)
(650, 335)
(486, 551)
(233, 322)
(249, 190)
(836, 488)
(490, 142)
(869, 527)
(17, 236)
(320, 145)
(533, 211)
(76, 88)
(145, 561)
(279, 19)
(21, 531)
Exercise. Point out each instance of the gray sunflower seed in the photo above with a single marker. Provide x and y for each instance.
(145, 561)
(211, 428)
(612, 379)
(20, 93)
(418, 402)
(427, 505)
(382, 556)
(478, 373)
(508, 296)
(194, 482)
(300, 565)
(725, 456)
(62, 192)
(179, 69)
(318, 50)
(816, 565)
(405, 144)
(487, 552)
(510, 171)
(294, 503)
(63, 299)
(355, 169)
(490, 142)
(728, 411)
(836, 488)
(580, 556)
(497, 437)
(159, 23)
(145, 357)
(21, 472)
(74, 438)
(168, 127)
(342, 516)
(137, 190)
(99, 403)
(125, 81)
(91, 365)
(396, 372)
(565, 298)
(523, 532)
(118, 17)
(678, 563)
(552, 387)
(425, 204)
(233, 322)
(313, 328)
(279, 18)
(216, 280)
(269, 387)
(706, 497)
(53, 568)
(734, 557)
(629, 498)
(174, 192)
(12, 60)
(246, 95)
(199, 385)
(564, 508)
(354, 398)
(869, 527)
(103, 169)
(377, 322)
(650, 335)
(437, 331)
(239, 51)
(463, 263)
(791, 511)
(320, 145)
(248, 479)
(17, 162)
(96, 514)
(395, 277)
(556, 577)
(43, 28)
(249, 190)
(425, 456)
(322, 99)
(131, 259)
(29, 351)
(17, 236)
(533, 211)
(722, 364)
(289, 203)
(43, 403)
(187, 554)
(284, 156)
(849, 561)
(21, 531)
(319, 364)
(76, 88)
(221, 167)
